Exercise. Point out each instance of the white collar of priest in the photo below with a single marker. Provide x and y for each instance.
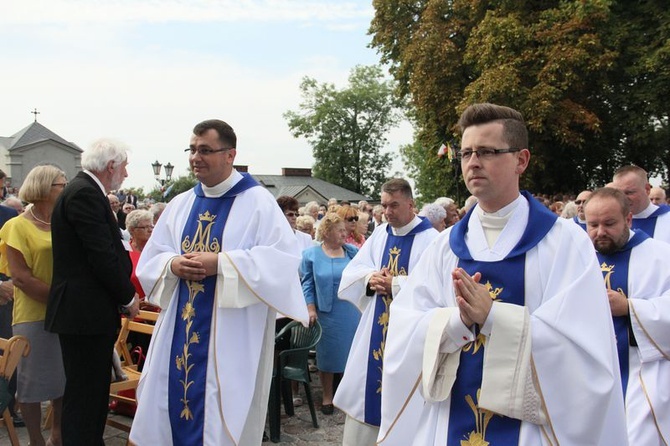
(404, 230)
(224, 186)
(647, 212)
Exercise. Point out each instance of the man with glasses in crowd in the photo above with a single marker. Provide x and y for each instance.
(580, 201)
(370, 281)
(504, 316)
(222, 260)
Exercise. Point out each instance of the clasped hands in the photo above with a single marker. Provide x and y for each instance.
(381, 282)
(195, 265)
(473, 299)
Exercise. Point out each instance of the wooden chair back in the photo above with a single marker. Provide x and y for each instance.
(13, 349)
(144, 323)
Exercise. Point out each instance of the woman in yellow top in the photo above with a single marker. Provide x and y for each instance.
(26, 247)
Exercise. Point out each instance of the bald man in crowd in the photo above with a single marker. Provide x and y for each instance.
(652, 219)
(657, 196)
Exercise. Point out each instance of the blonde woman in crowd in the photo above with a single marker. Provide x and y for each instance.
(321, 272)
(350, 217)
(26, 255)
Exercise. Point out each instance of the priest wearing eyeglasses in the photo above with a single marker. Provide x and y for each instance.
(221, 262)
(371, 281)
(503, 326)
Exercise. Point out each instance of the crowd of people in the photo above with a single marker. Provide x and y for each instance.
(514, 319)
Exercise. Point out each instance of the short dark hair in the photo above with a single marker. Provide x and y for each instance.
(631, 168)
(515, 132)
(610, 192)
(2, 174)
(287, 203)
(398, 185)
(226, 133)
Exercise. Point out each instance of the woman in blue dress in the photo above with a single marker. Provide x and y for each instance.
(321, 272)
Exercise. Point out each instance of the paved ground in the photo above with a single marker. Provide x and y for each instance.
(296, 430)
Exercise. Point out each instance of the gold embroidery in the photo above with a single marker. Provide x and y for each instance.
(392, 265)
(201, 242)
(482, 420)
(383, 320)
(480, 340)
(609, 270)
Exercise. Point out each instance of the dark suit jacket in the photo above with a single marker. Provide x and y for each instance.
(5, 214)
(91, 275)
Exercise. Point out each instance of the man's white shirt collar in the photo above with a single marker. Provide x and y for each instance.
(97, 181)
(224, 186)
(647, 212)
(404, 230)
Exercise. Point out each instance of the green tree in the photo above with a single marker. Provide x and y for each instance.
(587, 75)
(347, 128)
(177, 186)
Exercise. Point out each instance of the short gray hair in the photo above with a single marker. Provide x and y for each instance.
(102, 152)
(433, 212)
(134, 218)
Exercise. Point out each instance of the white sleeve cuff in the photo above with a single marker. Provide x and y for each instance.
(456, 334)
(231, 290)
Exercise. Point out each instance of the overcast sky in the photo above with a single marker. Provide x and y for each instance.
(146, 71)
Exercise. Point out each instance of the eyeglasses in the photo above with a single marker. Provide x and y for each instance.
(204, 151)
(579, 202)
(145, 227)
(291, 214)
(483, 153)
(59, 184)
(352, 219)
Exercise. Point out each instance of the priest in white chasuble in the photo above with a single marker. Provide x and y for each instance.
(220, 263)
(636, 273)
(504, 326)
(370, 281)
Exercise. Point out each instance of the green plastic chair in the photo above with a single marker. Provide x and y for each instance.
(292, 365)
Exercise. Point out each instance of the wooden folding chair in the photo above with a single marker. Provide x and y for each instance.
(13, 349)
(143, 323)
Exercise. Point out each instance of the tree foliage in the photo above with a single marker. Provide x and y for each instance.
(174, 188)
(589, 76)
(347, 128)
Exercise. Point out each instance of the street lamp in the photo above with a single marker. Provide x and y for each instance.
(157, 174)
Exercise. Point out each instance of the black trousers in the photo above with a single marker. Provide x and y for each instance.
(88, 365)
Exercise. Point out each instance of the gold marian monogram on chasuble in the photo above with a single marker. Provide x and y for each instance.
(202, 241)
(609, 270)
(482, 416)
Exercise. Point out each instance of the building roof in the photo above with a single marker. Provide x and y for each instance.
(35, 133)
(290, 185)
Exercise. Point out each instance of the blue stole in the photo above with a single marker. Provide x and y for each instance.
(581, 225)
(396, 258)
(193, 319)
(648, 225)
(505, 281)
(615, 272)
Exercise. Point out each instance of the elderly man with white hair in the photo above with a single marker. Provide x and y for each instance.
(90, 286)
